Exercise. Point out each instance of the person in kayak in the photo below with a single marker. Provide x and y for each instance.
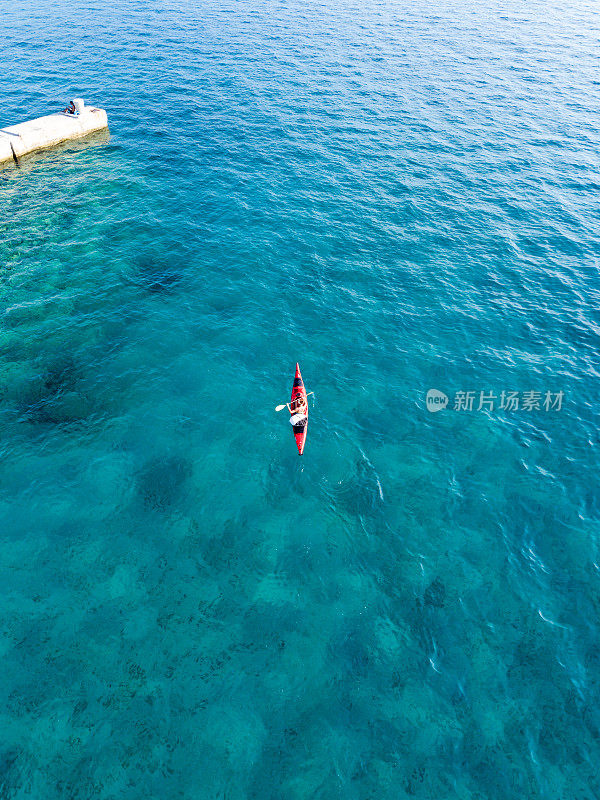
(298, 410)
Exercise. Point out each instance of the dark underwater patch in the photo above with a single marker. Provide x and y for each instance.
(221, 551)
(426, 624)
(268, 625)
(435, 594)
(10, 773)
(65, 410)
(161, 481)
(60, 375)
(51, 397)
(353, 648)
(361, 493)
(56, 377)
(157, 273)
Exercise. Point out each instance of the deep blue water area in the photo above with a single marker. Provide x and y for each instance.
(400, 196)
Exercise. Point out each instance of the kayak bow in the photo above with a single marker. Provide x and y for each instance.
(301, 429)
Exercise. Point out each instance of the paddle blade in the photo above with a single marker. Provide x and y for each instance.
(280, 408)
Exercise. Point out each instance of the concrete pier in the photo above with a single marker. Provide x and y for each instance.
(44, 132)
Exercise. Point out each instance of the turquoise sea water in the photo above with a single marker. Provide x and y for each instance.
(400, 196)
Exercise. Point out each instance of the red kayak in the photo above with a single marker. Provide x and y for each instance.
(301, 428)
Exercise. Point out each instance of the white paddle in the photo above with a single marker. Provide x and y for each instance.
(285, 405)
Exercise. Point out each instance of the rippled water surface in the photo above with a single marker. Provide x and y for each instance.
(400, 196)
